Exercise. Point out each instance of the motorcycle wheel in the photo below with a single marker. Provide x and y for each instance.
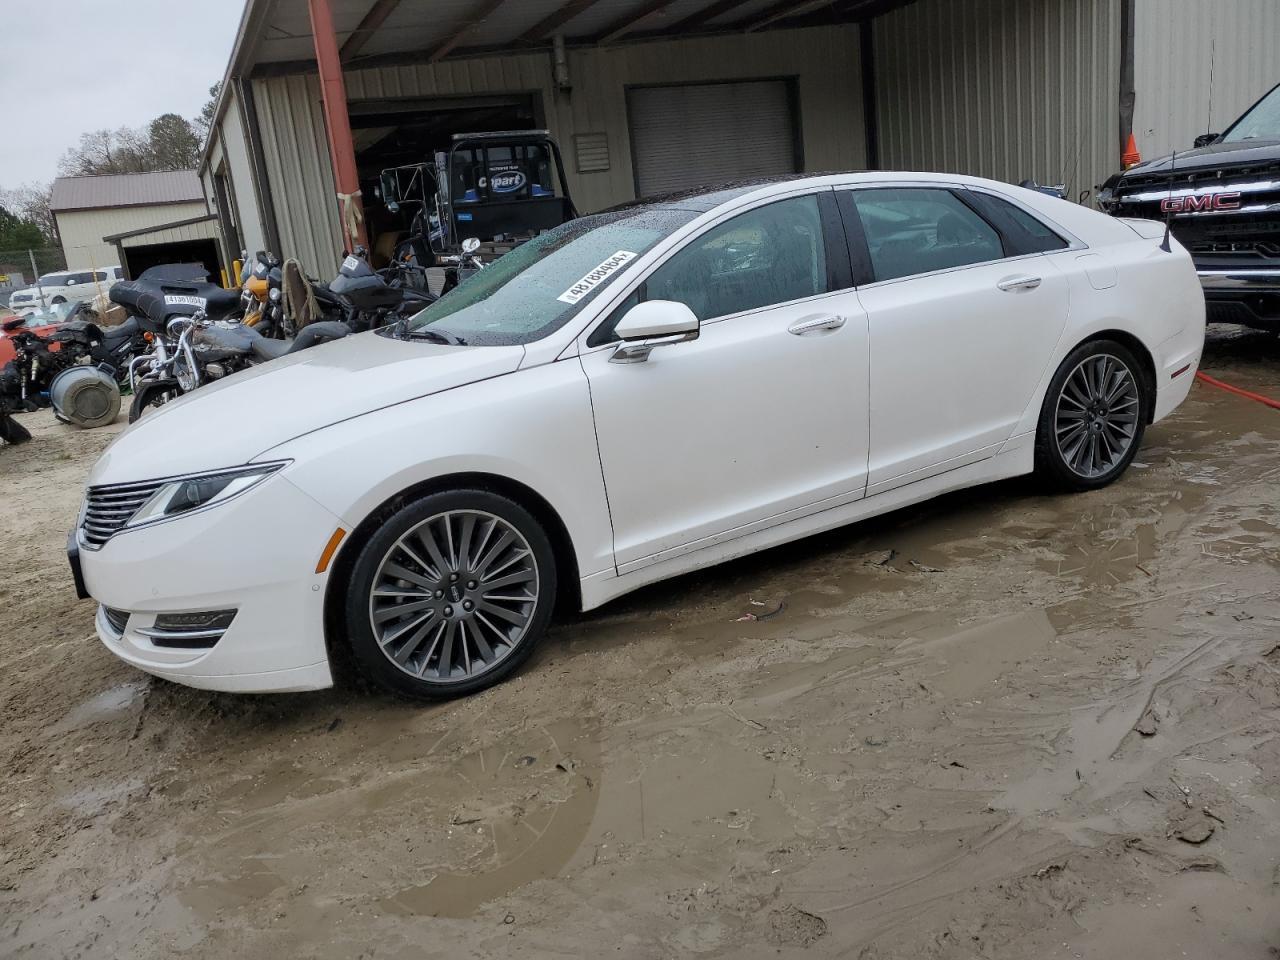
(150, 397)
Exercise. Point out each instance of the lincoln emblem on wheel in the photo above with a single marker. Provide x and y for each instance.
(624, 398)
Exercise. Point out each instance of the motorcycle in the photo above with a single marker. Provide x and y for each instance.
(28, 381)
(198, 350)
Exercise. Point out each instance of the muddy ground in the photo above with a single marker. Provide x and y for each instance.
(1002, 724)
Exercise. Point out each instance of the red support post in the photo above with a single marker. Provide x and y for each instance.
(342, 151)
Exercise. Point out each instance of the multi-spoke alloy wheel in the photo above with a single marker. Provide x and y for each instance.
(1094, 416)
(1097, 415)
(455, 592)
(454, 595)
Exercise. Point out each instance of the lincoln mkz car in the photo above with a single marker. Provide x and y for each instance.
(630, 396)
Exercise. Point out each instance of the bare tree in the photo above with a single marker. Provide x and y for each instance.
(125, 150)
(31, 202)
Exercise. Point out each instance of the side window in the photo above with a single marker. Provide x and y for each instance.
(81, 277)
(913, 230)
(1026, 233)
(773, 254)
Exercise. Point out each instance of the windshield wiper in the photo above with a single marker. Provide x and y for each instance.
(435, 336)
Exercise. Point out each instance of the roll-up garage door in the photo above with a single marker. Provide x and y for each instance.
(700, 135)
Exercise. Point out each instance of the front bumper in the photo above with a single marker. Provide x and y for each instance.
(255, 554)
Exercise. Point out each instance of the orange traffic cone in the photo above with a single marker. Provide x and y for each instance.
(1131, 157)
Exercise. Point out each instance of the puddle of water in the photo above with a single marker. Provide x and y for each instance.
(527, 807)
(103, 706)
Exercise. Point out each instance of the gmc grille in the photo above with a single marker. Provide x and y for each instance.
(107, 509)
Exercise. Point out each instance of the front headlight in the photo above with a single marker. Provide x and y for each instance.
(192, 493)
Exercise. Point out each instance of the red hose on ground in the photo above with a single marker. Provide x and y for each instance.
(1236, 390)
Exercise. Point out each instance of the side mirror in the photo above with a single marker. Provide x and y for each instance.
(655, 323)
(470, 245)
(1205, 139)
(72, 283)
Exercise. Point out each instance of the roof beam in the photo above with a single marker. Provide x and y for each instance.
(554, 21)
(624, 25)
(368, 26)
(783, 10)
(485, 11)
(696, 20)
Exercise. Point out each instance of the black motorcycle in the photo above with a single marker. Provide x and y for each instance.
(367, 299)
(202, 351)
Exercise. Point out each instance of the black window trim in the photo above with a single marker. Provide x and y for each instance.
(839, 262)
(860, 252)
(1015, 239)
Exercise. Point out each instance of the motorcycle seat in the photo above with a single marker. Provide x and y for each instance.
(121, 331)
(320, 332)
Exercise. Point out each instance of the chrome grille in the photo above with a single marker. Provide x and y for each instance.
(107, 509)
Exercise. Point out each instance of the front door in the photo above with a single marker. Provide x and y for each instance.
(760, 419)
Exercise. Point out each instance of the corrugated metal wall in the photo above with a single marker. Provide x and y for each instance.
(205, 230)
(240, 171)
(1179, 45)
(82, 230)
(1007, 89)
(297, 158)
(825, 63)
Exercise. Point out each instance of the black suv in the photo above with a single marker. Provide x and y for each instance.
(1223, 199)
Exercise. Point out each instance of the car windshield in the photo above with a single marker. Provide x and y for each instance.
(536, 288)
(1260, 123)
(53, 280)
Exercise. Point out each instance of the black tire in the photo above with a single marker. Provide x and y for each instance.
(11, 431)
(413, 680)
(150, 396)
(57, 300)
(1072, 468)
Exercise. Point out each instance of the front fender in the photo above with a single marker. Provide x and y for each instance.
(533, 427)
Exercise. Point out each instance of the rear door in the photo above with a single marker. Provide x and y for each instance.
(963, 316)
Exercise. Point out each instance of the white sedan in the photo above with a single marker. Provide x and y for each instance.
(630, 396)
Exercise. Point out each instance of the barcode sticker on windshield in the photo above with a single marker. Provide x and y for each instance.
(181, 300)
(596, 277)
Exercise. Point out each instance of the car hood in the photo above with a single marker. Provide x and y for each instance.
(1242, 153)
(232, 421)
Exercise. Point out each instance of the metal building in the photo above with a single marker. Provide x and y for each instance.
(95, 214)
(649, 95)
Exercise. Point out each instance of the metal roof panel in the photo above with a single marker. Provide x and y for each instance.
(126, 190)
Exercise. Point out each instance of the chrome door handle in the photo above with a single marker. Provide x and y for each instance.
(827, 321)
(1018, 283)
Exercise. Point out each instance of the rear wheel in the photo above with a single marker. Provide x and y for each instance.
(450, 595)
(1094, 416)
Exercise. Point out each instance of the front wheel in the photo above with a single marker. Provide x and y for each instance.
(1094, 416)
(450, 595)
(150, 397)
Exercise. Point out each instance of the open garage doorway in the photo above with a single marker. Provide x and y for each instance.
(135, 260)
(403, 131)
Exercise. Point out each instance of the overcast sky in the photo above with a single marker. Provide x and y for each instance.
(69, 66)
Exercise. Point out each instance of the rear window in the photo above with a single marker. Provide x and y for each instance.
(1026, 233)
